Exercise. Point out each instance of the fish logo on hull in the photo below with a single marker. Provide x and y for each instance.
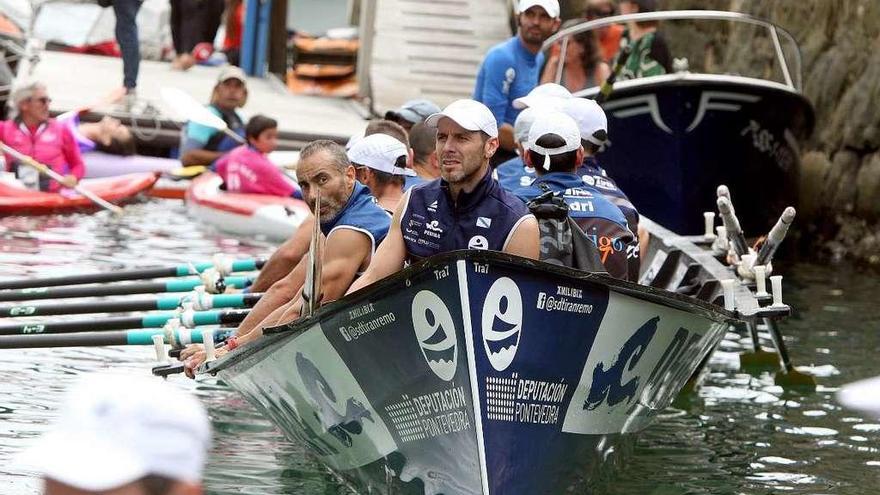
(502, 323)
(340, 425)
(435, 332)
(608, 383)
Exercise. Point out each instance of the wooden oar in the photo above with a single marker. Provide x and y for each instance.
(45, 170)
(99, 339)
(119, 323)
(311, 293)
(188, 108)
(182, 270)
(170, 303)
(179, 285)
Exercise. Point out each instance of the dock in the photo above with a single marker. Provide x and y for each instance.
(76, 80)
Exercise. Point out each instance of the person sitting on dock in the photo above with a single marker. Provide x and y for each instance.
(247, 169)
(512, 68)
(200, 144)
(380, 162)
(555, 152)
(33, 133)
(412, 112)
(465, 208)
(353, 225)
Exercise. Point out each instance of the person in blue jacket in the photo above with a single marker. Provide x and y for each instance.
(555, 152)
(511, 69)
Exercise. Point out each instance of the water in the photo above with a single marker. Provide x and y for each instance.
(738, 434)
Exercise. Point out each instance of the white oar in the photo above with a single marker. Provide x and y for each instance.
(312, 287)
(188, 108)
(43, 169)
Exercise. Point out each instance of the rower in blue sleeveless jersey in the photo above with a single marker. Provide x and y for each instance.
(353, 224)
(463, 209)
(555, 151)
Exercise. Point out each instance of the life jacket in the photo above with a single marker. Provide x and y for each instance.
(432, 223)
(363, 214)
(220, 141)
(46, 146)
(601, 221)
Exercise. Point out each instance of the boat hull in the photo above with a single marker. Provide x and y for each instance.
(477, 373)
(15, 200)
(248, 215)
(675, 138)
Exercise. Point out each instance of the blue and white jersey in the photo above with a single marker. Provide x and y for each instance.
(362, 214)
(432, 223)
(595, 176)
(601, 221)
(513, 174)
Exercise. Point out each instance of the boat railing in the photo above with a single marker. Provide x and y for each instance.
(779, 37)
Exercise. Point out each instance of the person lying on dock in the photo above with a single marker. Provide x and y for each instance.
(108, 135)
(555, 152)
(200, 144)
(353, 224)
(465, 208)
(247, 169)
(33, 133)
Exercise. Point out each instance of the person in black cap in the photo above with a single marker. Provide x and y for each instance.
(650, 54)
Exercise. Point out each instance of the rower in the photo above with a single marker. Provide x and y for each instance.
(593, 126)
(33, 133)
(465, 208)
(423, 140)
(353, 224)
(514, 173)
(412, 112)
(380, 162)
(555, 152)
(201, 144)
(247, 169)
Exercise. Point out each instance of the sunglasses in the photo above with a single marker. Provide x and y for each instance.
(598, 14)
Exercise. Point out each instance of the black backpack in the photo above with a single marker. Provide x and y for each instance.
(562, 241)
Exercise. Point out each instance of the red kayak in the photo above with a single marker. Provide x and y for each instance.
(247, 215)
(16, 200)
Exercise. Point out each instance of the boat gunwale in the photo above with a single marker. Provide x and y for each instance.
(643, 292)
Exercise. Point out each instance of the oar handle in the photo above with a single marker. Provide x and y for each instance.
(44, 169)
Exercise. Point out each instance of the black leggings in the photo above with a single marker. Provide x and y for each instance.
(194, 21)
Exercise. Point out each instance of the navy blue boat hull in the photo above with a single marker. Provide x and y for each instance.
(477, 373)
(675, 138)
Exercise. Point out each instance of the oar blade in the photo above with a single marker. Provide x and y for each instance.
(189, 109)
(795, 380)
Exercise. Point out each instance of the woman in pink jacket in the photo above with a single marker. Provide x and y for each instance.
(47, 141)
(246, 169)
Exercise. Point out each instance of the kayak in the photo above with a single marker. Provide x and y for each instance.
(272, 217)
(100, 164)
(18, 200)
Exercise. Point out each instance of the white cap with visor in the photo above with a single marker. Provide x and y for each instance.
(556, 123)
(549, 6)
(380, 152)
(470, 114)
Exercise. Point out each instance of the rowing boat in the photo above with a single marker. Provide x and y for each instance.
(15, 199)
(272, 217)
(479, 372)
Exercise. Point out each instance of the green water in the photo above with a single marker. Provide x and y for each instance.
(738, 434)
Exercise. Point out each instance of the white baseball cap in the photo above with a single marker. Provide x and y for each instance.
(116, 429)
(523, 123)
(544, 95)
(470, 114)
(590, 119)
(556, 123)
(550, 6)
(380, 152)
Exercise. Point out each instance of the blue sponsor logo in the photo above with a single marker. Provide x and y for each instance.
(607, 384)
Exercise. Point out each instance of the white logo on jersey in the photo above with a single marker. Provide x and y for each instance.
(478, 242)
